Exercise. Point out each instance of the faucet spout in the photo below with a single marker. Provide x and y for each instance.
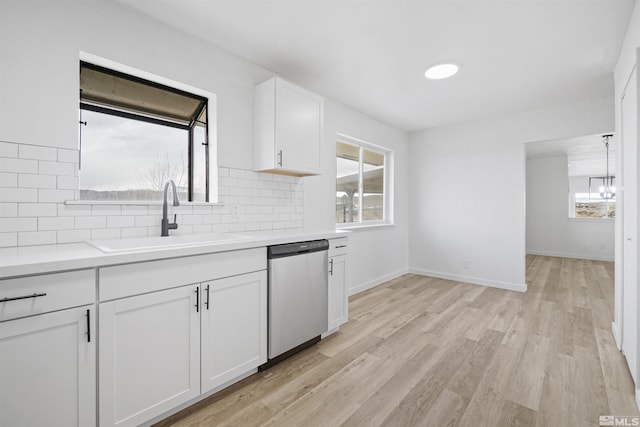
(166, 225)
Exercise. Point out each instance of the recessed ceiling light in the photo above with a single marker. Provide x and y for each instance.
(441, 71)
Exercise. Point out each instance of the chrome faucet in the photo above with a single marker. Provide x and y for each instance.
(166, 225)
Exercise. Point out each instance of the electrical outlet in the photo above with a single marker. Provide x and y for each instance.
(603, 246)
(465, 264)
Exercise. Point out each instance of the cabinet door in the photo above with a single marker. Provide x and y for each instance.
(234, 327)
(298, 128)
(47, 370)
(149, 355)
(338, 301)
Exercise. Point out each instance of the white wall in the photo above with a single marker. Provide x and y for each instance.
(550, 231)
(627, 62)
(40, 44)
(467, 187)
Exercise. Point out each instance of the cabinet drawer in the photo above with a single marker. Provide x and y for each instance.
(135, 279)
(338, 246)
(48, 292)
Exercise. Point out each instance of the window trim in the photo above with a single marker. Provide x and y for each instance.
(177, 87)
(388, 197)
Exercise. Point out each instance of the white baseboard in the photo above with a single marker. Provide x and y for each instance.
(379, 281)
(571, 255)
(473, 280)
(616, 335)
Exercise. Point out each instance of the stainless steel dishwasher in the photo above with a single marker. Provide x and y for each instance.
(298, 297)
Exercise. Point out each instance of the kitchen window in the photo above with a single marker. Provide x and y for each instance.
(362, 181)
(135, 134)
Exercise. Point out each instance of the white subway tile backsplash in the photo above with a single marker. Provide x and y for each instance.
(8, 240)
(37, 152)
(8, 179)
(134, 232)
(18, 195)
(67, 182)
(74, 210)
(29, 238)
(227, 182)
(135, 210)
(18, 224)
(37, 210)
(236, 173)
(190, 219)
(36, 181)
(202, 228)
(91, 221)
(8, 210)
(67, 156)
(147, 220)
(56, 223)
(55, 196)
(18, 165)
(105, 233)
(211, 219)
(120, 221)
(8, 149)
(70, 236)
(106, 210)
(56, 168)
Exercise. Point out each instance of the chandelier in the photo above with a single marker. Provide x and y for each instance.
(607, 190)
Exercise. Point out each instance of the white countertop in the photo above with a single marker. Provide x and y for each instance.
(29, 260)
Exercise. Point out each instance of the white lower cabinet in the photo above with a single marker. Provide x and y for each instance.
(234, 327)
(149, 355)
(48, 369)
(338, 283)
(338, 300)
(162, 349)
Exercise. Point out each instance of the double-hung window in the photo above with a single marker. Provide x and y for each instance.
(135, 134)
(362, 183)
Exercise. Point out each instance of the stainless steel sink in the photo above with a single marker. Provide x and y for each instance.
(169, 242)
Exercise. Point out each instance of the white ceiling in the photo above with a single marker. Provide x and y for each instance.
(586, 155)
(515, 55)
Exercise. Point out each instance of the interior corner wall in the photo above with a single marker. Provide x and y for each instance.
(377, 254)
(550, 231)
(467, 187)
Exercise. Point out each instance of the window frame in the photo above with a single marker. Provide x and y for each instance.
(209, 105)
(387, 208)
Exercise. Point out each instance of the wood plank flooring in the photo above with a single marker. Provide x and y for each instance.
(419, 351)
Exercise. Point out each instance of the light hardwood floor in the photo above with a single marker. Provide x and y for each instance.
(420, 351)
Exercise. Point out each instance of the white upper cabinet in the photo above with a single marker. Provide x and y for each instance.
(287, 129)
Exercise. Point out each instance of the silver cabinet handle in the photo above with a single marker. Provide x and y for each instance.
(280, 158)
(331, 266)
(23, 297)
(341, 246)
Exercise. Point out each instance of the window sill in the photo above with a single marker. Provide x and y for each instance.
(365, 226)
(572, 219)
(136, 203)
